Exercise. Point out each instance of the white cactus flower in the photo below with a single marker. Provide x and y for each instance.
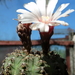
(42, 15)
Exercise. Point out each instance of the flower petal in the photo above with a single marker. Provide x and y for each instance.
(57, 22)
(34, 26)
(22, 11)
(43, 27)
(26, 16)
(42, 6)
(46, 28)
(33, 8)
(28, 21)
(25, 13)
(63, 6)
(58, 11)
(54, 24)
(51, 7)
(66, 13)
(51, 24)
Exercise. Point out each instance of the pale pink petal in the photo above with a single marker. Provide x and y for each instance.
(28, 21)
(46, 28)
(33, 8)
(66, 13)
(43, 27)
(42, 6)
(54, 24)
(27, 16)
(51, 7)
(63, 6)
(34, 26)
(50, 24)
(22, 11)
(25, 13)
(58, 22)
(58, 11)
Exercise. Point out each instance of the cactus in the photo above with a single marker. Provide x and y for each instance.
(20, 62)
(24, 32)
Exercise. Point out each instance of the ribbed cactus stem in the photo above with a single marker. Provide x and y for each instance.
(20, 62)
(24, 32)
(45, 37)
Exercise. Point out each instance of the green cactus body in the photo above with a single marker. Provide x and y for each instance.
(20, 62)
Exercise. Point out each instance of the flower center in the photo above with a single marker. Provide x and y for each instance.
(45, 19)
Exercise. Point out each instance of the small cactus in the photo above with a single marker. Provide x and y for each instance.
(20, 62)
(24, 32)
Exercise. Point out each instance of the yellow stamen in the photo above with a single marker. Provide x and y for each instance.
(45, 19)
